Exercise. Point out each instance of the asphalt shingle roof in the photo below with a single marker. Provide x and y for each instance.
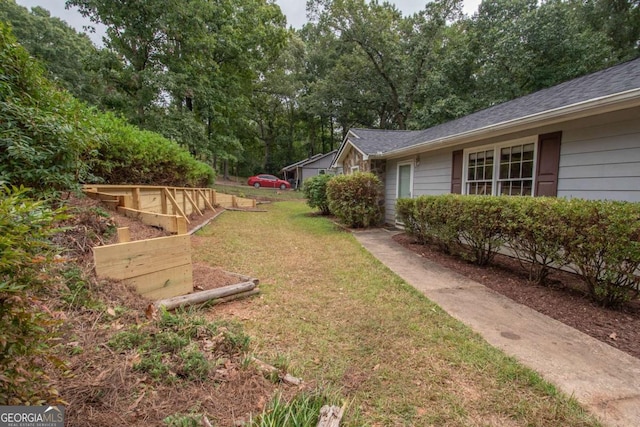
(610, 81)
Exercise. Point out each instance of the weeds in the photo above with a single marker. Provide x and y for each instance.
(302, 411)
(180, 346)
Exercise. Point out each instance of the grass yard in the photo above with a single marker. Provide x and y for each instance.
(336, 317)
(240, 189)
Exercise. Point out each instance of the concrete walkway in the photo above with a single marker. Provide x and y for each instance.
(603, 379)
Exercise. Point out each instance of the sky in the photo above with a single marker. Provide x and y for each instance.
(293, 9)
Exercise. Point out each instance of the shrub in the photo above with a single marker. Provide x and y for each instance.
(480, 227)
(46, 134)
(129, 155)
(535, 227)
(315, 190)
(432, 219)
(26, 257)
(602, 244)
(599, 240)
(355, 198)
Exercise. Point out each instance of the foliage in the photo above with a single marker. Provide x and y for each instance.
(303, 410)
(26, 326)
(66, 54)
(355, 199)
(172, 352)
(188, 69)
(129, 155)
(315, 190)
(599, 240)
(534, 227)
(46, 136)
(602, 243)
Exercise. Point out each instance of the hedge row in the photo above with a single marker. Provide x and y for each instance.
(598, 240)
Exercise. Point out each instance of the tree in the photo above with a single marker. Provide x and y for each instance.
(64, 52)
(188, 67)
(399, 51)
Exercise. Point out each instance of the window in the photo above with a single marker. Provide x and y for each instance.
(322, 172)
(355, 169)
(511, 174)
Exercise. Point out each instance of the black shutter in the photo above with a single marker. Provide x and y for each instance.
(456, 172)
(548, 164)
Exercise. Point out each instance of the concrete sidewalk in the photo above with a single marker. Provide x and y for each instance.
(603, 379)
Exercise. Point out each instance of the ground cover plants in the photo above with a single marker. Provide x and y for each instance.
(342, 321)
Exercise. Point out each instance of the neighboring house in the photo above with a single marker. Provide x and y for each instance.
(580, 138)
(315, 165)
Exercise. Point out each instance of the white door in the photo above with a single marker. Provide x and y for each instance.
(405, 180)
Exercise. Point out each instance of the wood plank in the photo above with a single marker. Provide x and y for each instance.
(163, 203)
(175, 205)
(124, 235)
(127, 260)
(136, 197)
(193, 203)
(166, 283)
(104, 197)
(206, 200)
(166, 222)
(181, 223)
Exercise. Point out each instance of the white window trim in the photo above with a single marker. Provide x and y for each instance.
(355, 169)
(496, 166)
(413, 168)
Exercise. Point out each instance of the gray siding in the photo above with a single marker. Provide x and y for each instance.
(601, 161)
(312, 169)
(432, 176)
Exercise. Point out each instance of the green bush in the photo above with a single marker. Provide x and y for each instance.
(599, 240)
(355, 199)
(480, 226)
(535, 227)
(315, 190)
(432, 220)
(52, 142)
(26, 328)
(602, 244)
(129, 155)
(46, 135)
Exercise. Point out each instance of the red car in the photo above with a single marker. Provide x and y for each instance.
(269, 181)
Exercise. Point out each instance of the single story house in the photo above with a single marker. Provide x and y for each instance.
(580, 138)
(317, 164)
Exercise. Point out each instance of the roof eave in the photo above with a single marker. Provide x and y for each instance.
(607, 104)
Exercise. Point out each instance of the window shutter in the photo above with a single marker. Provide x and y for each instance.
(548, 164)
(456, 172)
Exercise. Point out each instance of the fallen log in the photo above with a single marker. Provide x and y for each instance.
(330, 416)
(287, 378)
(204, 296)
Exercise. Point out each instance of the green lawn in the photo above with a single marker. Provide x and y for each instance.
(240, 189)
(339, 319)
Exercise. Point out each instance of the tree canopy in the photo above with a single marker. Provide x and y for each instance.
(229, 82)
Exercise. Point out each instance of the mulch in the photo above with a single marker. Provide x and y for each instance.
(564, 298)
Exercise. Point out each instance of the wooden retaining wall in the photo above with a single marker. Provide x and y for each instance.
(158, 268)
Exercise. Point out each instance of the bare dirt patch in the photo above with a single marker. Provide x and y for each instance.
(564, 299)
